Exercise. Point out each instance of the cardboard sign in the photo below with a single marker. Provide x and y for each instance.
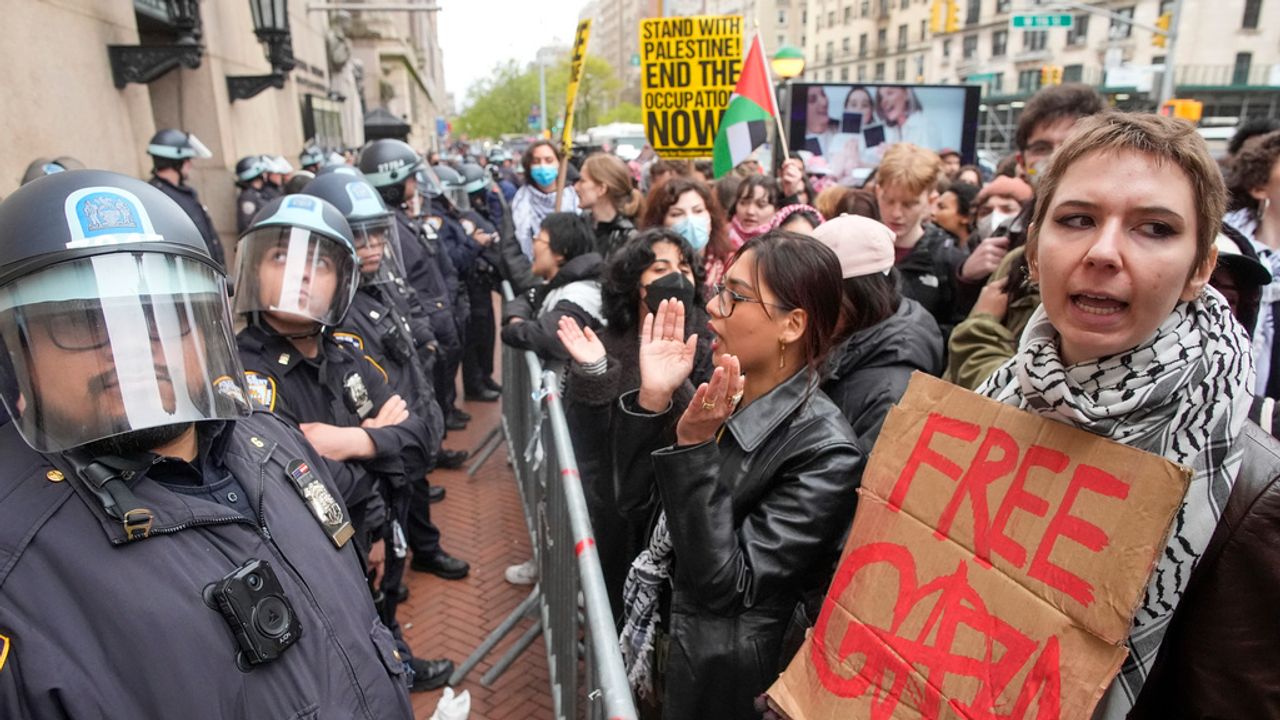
(689, 67)
(578, 59)
(993, 568)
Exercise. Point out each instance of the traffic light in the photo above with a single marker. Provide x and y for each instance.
(1184, 109)
(1055, 74)
(1046, 75)
(1161, 39)
(936, 11)
(953, 16)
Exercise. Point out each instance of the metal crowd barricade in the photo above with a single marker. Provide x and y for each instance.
(570, 603)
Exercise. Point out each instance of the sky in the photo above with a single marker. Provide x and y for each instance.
(475, 35)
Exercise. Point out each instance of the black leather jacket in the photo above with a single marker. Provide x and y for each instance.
(1218, 657)
(757, 519)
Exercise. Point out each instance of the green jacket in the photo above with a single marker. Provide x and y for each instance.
(981, 343)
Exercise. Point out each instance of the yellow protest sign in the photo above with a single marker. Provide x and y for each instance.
(689, 67)
(579, 59)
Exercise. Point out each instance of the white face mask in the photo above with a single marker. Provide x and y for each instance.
(988, 225)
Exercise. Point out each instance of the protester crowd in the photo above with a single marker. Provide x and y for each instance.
(262, 434)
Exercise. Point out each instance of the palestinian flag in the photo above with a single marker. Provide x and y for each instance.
(744, 126)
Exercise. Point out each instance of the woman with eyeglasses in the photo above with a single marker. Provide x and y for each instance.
(756, 478)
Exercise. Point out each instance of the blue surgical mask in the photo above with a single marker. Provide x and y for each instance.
(696, 229)
(544, 175)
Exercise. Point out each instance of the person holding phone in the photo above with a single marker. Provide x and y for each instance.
(860, 128)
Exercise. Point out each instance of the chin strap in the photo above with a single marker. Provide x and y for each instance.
(266, 326)
(107, 478)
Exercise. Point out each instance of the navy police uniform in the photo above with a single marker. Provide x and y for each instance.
(150, 647)
(248, 204)
(186, 197)
(430, 273)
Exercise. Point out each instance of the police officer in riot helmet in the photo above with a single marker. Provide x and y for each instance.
(311, 158)
(48, 166)
(188, 554)
(171, 154)
(482, 212)
(396, 170)
(376, 324)
(250, 172)
(297, 273)
(440, 214)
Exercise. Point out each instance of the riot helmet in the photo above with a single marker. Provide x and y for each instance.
(311, 158)
(297, 181)
(474, 178)
(454, 186)
(47, 166)
(373, 226)
(297, 264)
(429, 184)
(248, 169)
(113, 317)
(170, 148)
(388, 164)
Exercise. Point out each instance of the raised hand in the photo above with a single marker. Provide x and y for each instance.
(580, 342)
(712, 403)
(666, 357)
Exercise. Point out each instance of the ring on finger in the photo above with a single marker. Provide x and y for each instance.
(708, 405)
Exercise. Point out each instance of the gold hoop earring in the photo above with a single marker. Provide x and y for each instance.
(782, 354)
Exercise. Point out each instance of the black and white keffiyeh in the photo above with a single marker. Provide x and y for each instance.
(649, 577)
(1184, 395)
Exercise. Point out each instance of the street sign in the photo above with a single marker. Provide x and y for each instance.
(1048, 20)
(635, 59)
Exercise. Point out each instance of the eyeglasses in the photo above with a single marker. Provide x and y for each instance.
(728, 299)
(87, 329)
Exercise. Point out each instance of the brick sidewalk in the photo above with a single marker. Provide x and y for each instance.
(481, 522)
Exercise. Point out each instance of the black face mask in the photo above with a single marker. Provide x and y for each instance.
(672, 286)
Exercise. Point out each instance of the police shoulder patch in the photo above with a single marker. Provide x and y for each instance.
(262, 389)
(349, 338)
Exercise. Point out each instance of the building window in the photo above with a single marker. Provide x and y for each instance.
(862, 45)
(924, 30)
(1120, 30)
(1028, 81)
(844, 74)
(819, 22)
(829, 75)
(882, 40)
(884, 8)
(972, 12)
(900, 69)
(866, 8)
(999, 43)
(844, 45)
(782, 40)
(902, 37)
(831, 19)
(830, 52)
(946, 48)
(997, 82)
(1033, 40)
(1073, 74)
(970, 50)
(1002, 6)
(879, 77)
(782, 17)
(919, 68)
(1240, 73)
(848, 15)
(1079, 30)
(904, 5)
(862, 73)
(1252, 9)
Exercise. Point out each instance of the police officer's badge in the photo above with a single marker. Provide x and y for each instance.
(435, 222)
(248, 207)
(320, 502)
(357, 395)
(262, 389)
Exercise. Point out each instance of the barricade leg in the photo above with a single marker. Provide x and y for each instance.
(524, 609)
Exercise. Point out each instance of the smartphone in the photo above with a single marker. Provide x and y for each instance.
(851, 123)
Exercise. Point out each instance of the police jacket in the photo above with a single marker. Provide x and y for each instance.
(340, 386)
(455, 240)
(757, 521)
(185, 196)
(93, 625)
(928, 277)
(248, 203)
(375, 328)
(424, 265)
(1218, 656)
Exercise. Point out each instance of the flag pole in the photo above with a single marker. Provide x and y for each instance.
(777, 111)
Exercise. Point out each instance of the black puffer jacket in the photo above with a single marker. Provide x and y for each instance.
(611, 235)
(870, 371)
(929, 277)
(574, 291)
(756, 521)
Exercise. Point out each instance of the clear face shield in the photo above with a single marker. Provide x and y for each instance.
(198, 147)
(295, 274)
(378, 250)
(107, 345)
(457, 194)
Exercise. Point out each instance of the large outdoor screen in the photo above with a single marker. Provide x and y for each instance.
(851, 125)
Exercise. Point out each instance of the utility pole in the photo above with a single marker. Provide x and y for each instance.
(1171, 47)
(542, 92)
